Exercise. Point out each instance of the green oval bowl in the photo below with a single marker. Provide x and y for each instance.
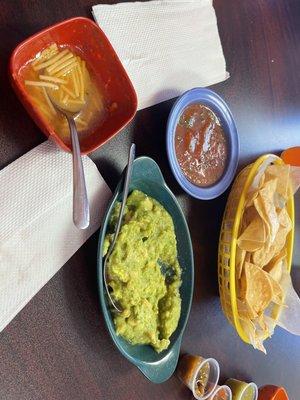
(147, 177)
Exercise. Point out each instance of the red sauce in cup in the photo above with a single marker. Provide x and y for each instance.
(200, 145)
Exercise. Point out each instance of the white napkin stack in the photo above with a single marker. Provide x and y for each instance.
(37, 234)
(166, 47)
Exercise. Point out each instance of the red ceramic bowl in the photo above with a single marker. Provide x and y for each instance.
(95, 48)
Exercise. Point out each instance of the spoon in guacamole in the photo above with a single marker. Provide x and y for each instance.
(118, 226)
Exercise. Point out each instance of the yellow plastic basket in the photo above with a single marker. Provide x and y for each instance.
(228, 240)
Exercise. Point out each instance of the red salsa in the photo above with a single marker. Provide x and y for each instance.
(200, 145)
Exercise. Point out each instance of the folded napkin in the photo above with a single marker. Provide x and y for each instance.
(37, 235)
(166, 47)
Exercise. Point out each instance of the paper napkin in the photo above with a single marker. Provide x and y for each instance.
(166, 47)
(37, 234)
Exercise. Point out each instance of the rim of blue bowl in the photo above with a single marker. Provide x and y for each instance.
(213, 101)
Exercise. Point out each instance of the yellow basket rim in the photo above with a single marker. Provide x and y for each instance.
(235, 230)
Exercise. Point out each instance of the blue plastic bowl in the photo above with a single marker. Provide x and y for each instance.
(220, 108)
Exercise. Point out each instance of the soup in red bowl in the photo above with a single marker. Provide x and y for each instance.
(43, 62)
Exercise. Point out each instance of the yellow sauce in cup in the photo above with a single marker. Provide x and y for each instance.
(242, 390)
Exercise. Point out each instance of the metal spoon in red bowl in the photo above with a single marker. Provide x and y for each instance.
(81, 211)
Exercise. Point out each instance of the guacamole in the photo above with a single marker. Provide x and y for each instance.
(144, 273)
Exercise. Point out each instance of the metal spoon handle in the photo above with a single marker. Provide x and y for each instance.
(125, 192)
(81, 212)
(119, 223)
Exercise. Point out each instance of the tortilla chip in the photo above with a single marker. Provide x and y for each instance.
(276, 271)
(264, 255)
(245, 311)
(274, 267)
(266, 194)
(245, 257)
(252, 334)
(284, 219)
(249, 323)
(285, 226)
(277, 290)
(269, 188)
(259, 206)
(259, 340)
(242, 286)
(270, 323)
(262, 181)
(253, 237)
(265, 326)
(250, 198)
(248, 257)
(239, 262)
(260, 320)
(249, 215)
(257, 287)
(282, 173)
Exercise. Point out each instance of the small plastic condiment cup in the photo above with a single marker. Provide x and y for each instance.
(221, 393)
(272, 392)
(240, 389)
(188, 370)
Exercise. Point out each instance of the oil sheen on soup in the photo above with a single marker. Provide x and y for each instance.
(200, 145)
